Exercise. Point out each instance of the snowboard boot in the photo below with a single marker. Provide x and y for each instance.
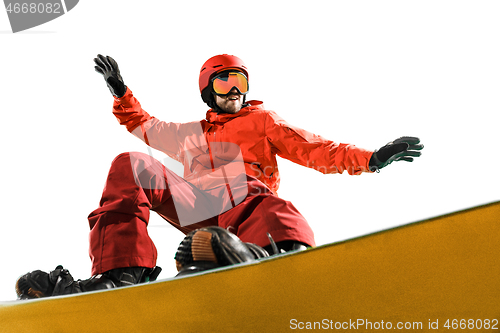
(211, 247)
(39, 284)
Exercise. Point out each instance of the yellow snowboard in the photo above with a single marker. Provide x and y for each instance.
(440, 273)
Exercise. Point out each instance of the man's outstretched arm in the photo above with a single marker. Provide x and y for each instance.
(326, 156)
(129, 112)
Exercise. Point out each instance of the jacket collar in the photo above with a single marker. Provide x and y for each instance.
(213, 117)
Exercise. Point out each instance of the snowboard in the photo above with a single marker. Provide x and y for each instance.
(439, 271)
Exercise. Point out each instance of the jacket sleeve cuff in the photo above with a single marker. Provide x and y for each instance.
(125, 100)
(128, 111)
(365, 167)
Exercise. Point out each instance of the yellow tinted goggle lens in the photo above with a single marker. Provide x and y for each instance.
(223, 84)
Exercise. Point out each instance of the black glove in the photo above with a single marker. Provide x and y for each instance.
(108, 67)
(402, 149)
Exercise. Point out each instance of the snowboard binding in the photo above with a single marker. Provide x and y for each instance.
(38, 284)
(212, 247)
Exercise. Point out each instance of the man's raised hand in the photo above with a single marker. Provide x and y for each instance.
(108, 67)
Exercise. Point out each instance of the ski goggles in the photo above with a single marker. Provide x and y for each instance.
(224, 82)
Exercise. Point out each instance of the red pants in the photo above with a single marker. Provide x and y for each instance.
(137, 183)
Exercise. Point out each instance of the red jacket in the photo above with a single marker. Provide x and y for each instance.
(260, 135)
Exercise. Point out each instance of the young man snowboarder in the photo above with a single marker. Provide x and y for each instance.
(227, 200)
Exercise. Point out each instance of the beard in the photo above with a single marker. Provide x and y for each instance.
(229, 106)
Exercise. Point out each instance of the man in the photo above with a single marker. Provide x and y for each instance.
(227, 201)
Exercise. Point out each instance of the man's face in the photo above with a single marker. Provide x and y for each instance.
(230, 103)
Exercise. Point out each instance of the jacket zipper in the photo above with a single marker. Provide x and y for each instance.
(210, 151)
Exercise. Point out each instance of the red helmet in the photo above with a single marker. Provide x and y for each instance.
(215, 65)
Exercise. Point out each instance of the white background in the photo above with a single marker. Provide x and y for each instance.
(361, 72)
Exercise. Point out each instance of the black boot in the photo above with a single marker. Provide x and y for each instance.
(39, 284)
(212, 247)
